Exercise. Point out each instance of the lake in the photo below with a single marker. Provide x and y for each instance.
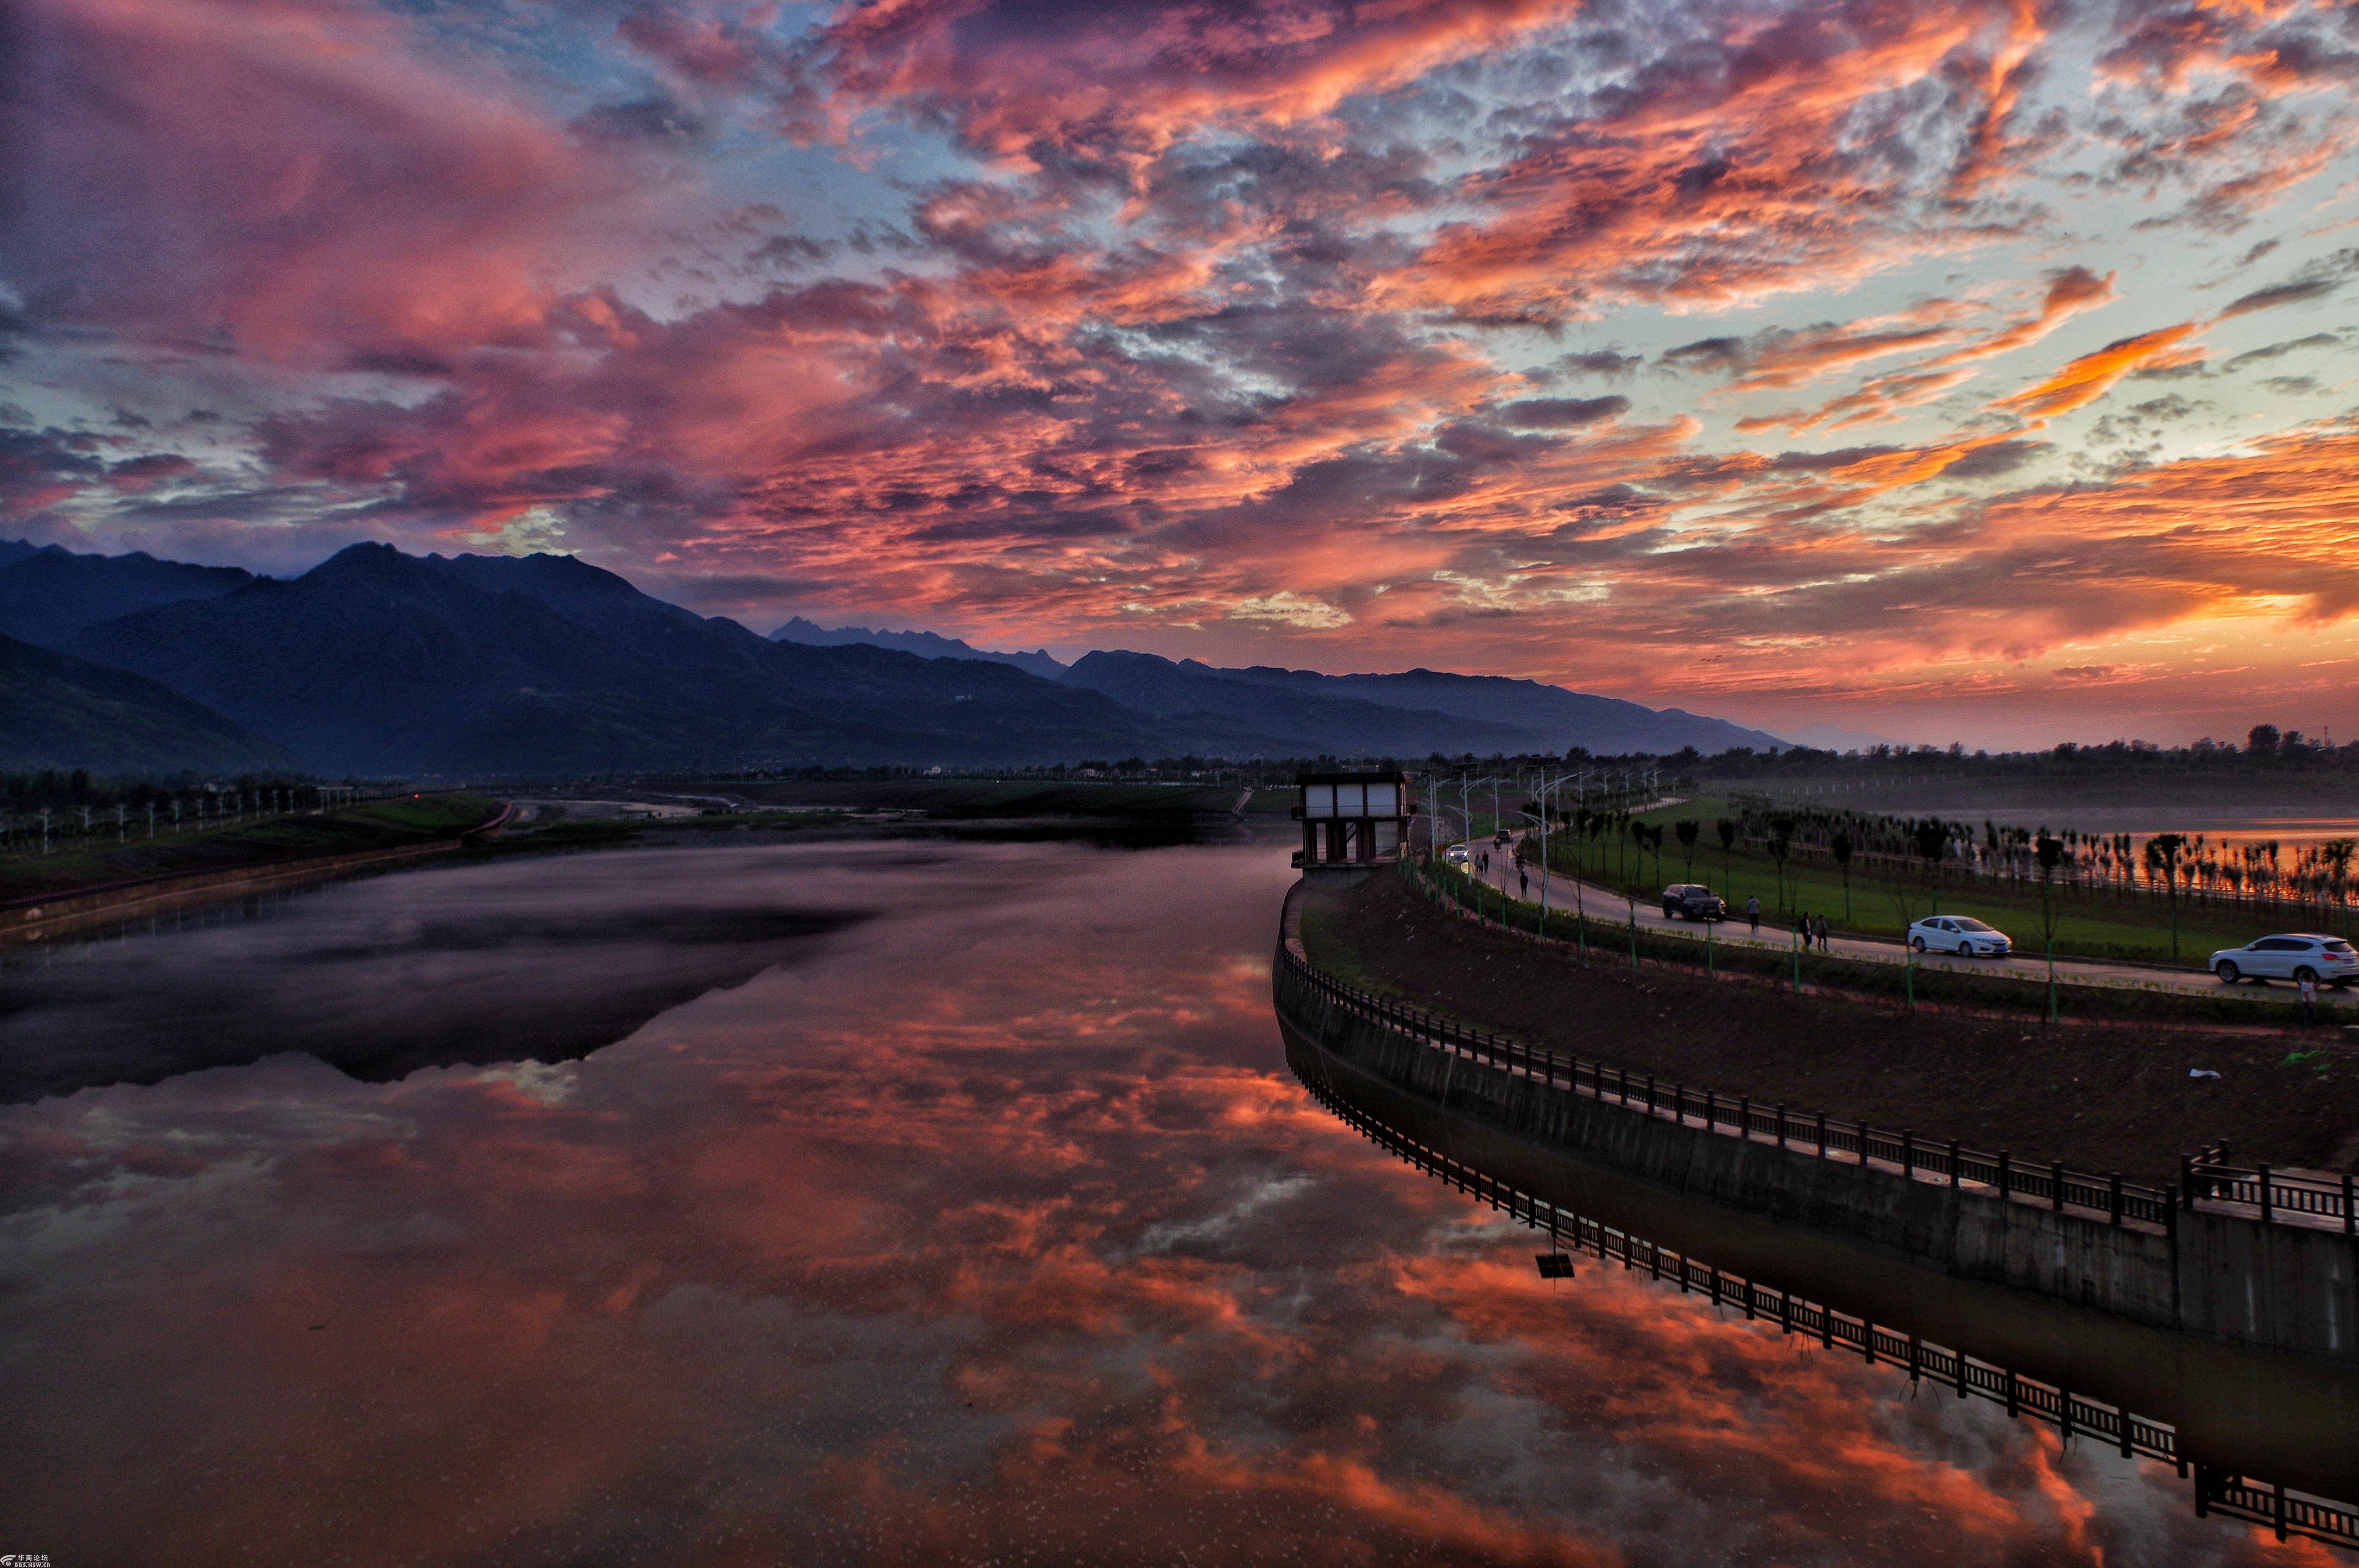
(886, 1203)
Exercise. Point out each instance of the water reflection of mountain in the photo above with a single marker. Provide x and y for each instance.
(449, 984)
(2261, 1436)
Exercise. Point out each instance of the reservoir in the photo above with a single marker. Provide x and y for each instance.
(885, 1202)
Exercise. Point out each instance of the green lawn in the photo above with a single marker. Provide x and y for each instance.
(1882, 898)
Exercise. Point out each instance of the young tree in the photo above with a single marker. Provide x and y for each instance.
(1781, 844)
(1838, 845)
(1689, 830)
(2337, 853)
(2050, 854)
(1727, 831)
(2162, 853)
(1931, 838)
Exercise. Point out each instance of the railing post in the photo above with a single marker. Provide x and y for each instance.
(2268, 1210)
(1823, 1135)
(2006, 1174)
(2114, 1199)
(1908, 1153)
(1781, 1127)
(2056, 1193)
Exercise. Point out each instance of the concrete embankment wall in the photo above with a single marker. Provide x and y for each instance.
(2219, 1275)
(32, 921)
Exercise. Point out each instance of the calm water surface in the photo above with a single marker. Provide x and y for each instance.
(965, 1212)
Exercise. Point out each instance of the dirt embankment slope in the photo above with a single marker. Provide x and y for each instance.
(2097, 1098)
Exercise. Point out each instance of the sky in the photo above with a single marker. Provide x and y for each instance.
(1977, 372)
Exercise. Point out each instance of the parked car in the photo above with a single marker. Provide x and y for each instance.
(1960, 934)
(2289, 955)
(1692, 901)
(1456, 855)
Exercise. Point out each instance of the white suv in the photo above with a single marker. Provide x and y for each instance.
(1958, 934)
(2294, 955)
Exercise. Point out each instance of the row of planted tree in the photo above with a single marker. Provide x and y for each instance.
(2298, 881)
(152, 812)
(2173, 866)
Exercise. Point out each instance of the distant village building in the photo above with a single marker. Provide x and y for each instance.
(1353, 823)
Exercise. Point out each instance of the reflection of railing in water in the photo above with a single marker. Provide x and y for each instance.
(2109, 1197)
(2216, 1491)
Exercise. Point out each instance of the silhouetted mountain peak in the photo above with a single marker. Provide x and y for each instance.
(365, 562)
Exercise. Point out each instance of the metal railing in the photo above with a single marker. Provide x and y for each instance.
(2207, 1174)
(1739, 1116)
(2216, 1491)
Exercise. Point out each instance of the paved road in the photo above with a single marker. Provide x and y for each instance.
(1604, 904)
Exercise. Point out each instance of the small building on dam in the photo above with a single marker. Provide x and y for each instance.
(1353, 823)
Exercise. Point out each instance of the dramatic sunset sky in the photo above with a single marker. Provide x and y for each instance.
(1978, 371)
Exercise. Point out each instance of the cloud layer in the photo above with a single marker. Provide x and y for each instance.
(1540, 339)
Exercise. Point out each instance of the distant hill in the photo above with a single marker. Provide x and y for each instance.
(48, 594)
(57, 711)
(376, 661)
(925, 644)
(1314, 722)
(1411, 714)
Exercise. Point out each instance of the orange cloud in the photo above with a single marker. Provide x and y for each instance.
(2092, 375)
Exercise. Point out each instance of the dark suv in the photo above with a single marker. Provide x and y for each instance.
(1692, 901)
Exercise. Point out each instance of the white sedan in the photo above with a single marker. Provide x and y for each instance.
(1959, 934)
(2289, 956)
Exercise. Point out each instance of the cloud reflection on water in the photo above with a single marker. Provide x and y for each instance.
(992, 1226)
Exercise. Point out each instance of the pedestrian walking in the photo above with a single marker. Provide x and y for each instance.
(1802, 929)
(1523, 881)
(2309, 998)
(1823, 934)
(1753, 913)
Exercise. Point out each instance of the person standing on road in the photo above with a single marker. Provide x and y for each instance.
(1823, 934)
(2308, 999)
(1523, 881)
(1753, 912)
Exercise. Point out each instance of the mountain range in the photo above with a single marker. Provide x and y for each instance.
(58, 712)
(925, 644)
(380, 662)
